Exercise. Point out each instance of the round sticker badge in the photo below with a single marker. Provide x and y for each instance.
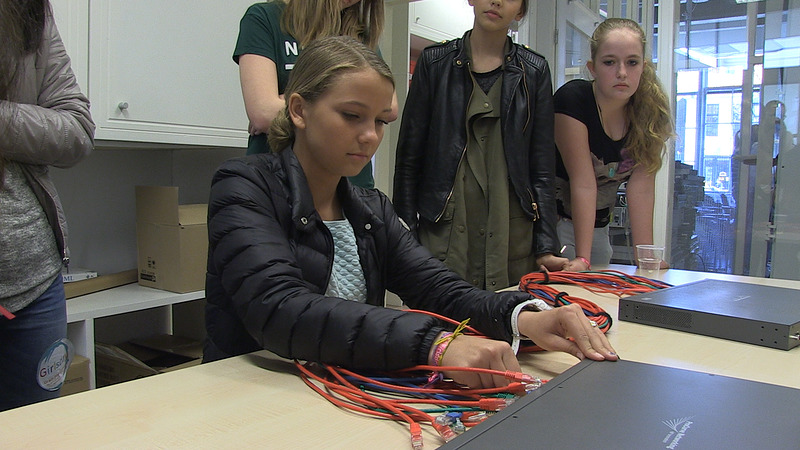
(54, 364)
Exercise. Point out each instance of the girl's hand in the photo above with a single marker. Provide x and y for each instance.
(551, 262)
(576, 265)
(566, 329)
(471, 351)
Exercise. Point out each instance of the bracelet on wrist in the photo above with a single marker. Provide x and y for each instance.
(441, 346)
(585, 261)
(445, 340)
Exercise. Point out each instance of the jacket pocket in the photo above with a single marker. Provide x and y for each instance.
(436, 236)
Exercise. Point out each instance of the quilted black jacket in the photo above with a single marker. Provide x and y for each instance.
(433, 136)
(270, 258)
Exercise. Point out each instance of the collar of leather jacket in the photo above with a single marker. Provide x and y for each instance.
(464, 52)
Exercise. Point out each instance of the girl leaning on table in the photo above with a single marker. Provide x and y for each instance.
(609, 131)
(299, 258)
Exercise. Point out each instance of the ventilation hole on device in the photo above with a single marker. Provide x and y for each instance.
(665, 317)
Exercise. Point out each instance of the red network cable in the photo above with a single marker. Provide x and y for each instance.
(348, 389)
(373, 396)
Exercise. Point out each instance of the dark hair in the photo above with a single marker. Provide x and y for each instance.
(317, 68)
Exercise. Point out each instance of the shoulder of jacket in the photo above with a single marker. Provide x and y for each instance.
(256, 168)
(374, 198)
(438, 51)
(528, 55)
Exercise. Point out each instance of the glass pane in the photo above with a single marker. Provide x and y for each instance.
(577, 53)
(733, 212)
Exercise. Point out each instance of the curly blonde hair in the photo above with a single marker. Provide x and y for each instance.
(308, 20)
(648, 110)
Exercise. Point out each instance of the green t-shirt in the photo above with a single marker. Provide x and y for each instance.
(260, 34)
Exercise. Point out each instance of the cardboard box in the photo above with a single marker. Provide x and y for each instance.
(77, 376)
(172, 240)
(144, 357)
(101, 282)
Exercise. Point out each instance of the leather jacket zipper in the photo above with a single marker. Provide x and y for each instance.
(460, 160)
(452, 188)
(528, 96)
(534, 206)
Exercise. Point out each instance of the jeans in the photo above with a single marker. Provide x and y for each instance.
(23, 342)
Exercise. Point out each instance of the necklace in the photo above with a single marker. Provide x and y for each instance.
(602, 122)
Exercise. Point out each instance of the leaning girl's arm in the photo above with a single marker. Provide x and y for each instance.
(640, 194)
(262, 101)
(572, 139)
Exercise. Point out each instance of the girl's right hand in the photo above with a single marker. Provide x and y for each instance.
(576, 265)
(471, 351)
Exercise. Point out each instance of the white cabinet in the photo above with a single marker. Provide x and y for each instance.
(72, 19)
(158, 72)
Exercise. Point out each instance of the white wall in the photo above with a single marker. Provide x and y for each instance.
(99, 202)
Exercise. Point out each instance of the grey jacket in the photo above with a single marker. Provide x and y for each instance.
(47, 123)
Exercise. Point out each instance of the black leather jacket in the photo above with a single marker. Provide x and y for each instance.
(433, 136)
(270, 258)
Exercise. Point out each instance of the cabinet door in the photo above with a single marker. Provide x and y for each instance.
(440, 20)
(72, 20)
(162, 71)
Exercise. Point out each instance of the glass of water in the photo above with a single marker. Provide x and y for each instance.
(650, 257)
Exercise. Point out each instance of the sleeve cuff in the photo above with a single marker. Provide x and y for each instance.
(533, 304)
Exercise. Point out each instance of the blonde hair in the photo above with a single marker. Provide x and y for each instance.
(308, 20)
(647, 111)
(318, 67)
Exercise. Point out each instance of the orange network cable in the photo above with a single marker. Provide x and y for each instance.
(390, 396)
(348, 389)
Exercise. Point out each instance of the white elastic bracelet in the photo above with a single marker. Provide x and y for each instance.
(534, 304)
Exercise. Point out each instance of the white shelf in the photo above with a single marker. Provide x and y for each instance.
(123, 299)
(82, 312)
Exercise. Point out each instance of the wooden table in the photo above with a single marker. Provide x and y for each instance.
(257, 400)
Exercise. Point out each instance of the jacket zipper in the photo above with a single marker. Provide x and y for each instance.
(452, 188)
(460, 160)
(527, 95)
(534, 206)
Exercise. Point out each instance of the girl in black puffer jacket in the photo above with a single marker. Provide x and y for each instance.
(299, 259)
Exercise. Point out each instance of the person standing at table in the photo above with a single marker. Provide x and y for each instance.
(44, 121)
(475, 158)
(299, 258)
(609, 131)
(272, 35)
